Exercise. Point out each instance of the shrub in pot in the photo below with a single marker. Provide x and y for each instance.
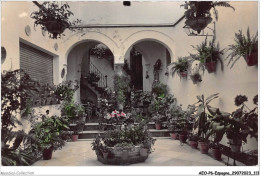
(48, 134)
(245, 46)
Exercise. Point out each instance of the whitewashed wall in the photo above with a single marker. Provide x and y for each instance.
(239, 80)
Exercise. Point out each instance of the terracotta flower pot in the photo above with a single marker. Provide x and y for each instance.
(182, 138)
(216, 153)
(174, 136)
(204, 147)
(193, 144)
(56, 27)
(184, 74)
(47, 153)
(74, 137)
(252, 59)
(211, 66)
(158, 126)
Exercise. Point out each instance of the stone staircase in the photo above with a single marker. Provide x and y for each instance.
(91, 130)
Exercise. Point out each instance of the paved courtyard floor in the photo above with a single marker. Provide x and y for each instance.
(167, 153)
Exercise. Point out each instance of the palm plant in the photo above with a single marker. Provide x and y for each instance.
(180, 66)
(244, 47)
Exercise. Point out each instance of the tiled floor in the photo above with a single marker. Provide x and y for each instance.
(167, 153)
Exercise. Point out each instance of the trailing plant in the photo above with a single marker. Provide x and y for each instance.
(181, 65)
(244, 46)
(101, 51)
(51, 16)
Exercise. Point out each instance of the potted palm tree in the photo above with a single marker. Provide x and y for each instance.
(245, 46)
(53, 17)
(198, 14)
(208, 53)
(202, 122)
(180, 67)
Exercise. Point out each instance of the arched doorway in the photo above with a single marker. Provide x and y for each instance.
(142, 58)
(91, 64)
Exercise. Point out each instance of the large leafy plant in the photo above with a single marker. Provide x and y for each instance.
(202, 122)
(48, 132)
(121, 83)
(16, 87)
(244, 45)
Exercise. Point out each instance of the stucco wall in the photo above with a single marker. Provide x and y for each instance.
(241, 79)
(229, 83)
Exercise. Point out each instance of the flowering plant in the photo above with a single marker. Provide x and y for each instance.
(118, 117)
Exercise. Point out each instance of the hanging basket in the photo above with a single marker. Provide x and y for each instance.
(252, 59)
(211, 66)
(198, 23)
(56, 27)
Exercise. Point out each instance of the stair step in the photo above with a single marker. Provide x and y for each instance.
(94, 133)
(95, 126)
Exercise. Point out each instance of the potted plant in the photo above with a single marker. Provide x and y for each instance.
(125, 145)
(180, 67)
(53, 18)
(202, 122)
(241, 123)
(198, 14)
(48, 134)
(121, 83)
(76, 129)
(218, 124)
(245, 46)
(193, 140)
(208, 53)
(196, 69)
(157, 109)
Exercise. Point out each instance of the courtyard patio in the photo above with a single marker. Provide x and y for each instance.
(164, 83)
(167, 153)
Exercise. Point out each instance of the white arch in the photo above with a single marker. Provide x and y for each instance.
(75, 40)
(152, 35)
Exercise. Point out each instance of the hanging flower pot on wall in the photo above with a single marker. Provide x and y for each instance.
(196, 78)
(252, 59)
(56, 27)
(53, 17)
(199, 23)
(211, 66)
